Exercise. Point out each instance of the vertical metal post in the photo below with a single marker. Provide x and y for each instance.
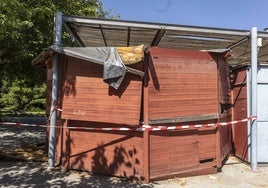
(254, 70)
(54, 93)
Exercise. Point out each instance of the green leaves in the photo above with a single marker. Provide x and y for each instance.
(26, 28)
(20, 97)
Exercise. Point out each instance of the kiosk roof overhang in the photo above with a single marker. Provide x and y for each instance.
(92, 32)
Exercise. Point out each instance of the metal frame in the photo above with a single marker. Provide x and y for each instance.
(254, 72)
(54, 93)
(166, 36)
(116, 23)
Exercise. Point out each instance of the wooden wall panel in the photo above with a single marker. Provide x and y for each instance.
(240, 130)
(207, 144)
(224, 138)
(182, 83)
(173, 152)
(115, 153)
(87, 97)
(159, 154)
(224, 81)
(183, 150)
(49, 79)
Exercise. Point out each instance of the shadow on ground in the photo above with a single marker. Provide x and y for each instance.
(21, 174)
(12, 137)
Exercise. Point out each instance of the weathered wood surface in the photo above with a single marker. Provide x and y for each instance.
(88, 98)
(240, 130)
(182, 83)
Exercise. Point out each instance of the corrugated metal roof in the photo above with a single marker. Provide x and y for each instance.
(91, 32)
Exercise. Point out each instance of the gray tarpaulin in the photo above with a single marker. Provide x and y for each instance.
(114, 69)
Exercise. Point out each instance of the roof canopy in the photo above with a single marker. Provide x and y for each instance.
(91, 32)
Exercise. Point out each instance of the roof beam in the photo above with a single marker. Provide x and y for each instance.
(121, 23)
(74, 34)
(128, 36)
(157, 38)
(103, 36)
(238, 42)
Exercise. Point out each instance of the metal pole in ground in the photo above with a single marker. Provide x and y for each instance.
(254, 71)
(54, 93)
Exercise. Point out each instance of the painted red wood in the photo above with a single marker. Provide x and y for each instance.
(182, 152)
(88, 98)
(224, 81)
(207, 144)
(116, 153)
(182, 83)
(240, 130)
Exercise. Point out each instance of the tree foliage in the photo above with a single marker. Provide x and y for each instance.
(26, 28)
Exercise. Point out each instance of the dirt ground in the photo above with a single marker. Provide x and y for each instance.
(25, 170)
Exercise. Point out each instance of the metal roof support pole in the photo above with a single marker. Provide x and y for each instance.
(254, 71)
(54, 93)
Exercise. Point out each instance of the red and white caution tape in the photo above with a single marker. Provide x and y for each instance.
(80, 128)
(58, 109)
(142, 128)
(158, 128)
(22, 124)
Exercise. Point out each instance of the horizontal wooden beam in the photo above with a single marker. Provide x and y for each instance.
(184, 119)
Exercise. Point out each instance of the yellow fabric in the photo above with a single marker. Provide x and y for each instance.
(131, 54)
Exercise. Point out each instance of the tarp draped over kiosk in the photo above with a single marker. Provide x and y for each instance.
(114, 60)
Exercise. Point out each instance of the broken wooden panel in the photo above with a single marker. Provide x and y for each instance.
(240, 130)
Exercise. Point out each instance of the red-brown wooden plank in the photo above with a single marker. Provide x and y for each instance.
(88, 98)
(182, 83)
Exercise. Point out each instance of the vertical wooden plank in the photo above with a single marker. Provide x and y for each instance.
(146, 135)
(65, 153)
(218, 148)
(49, 86)
(146, 154)
(218, 134)
(145, 90)
(239, 101)
(58, 150)
(224, 81)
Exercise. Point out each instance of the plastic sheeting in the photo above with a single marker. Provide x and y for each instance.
(114, 68)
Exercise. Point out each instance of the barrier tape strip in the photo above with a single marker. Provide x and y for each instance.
(158, 128)
(142, 128)
(58, 109)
